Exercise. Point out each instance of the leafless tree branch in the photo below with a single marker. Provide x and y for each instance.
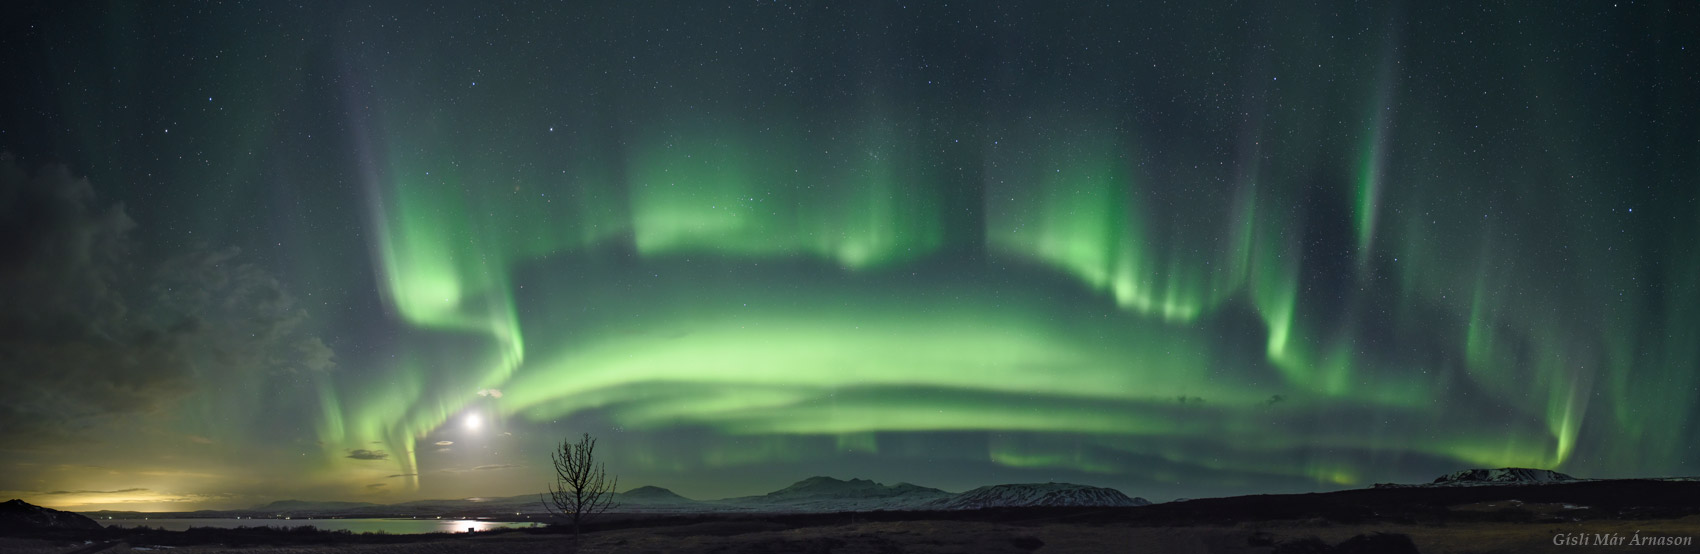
(582, 489)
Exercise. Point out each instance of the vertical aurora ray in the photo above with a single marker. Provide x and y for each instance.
(443, 247)
(1372, 158)
(1301, 352)
(698, 190)
(882, 209)
(1371, 163)
(1682, 348)
(1079, 208)
(442, 282)
(706, 188)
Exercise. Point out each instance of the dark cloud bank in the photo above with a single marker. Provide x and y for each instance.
(90, 332)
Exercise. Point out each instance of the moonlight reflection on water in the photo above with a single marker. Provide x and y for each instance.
(374, 525)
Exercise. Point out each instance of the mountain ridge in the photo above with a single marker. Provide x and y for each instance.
(817, 494)
(1037, 494)
(283, 505)
(1504, 475)
(1489, 477)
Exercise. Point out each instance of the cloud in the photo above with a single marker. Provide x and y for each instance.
(376, 486)
(246, 319)
(71, 350)
(402, 475)
(492, 393)
(91, 332)
(119, 491)
(490, 467)
(88, 498)
(445, 443)
(364, 454)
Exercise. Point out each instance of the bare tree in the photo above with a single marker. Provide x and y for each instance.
(581, 489)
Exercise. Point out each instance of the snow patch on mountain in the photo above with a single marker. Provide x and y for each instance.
(1503, 476)
(1492, 477)
(1036, 494)
(826, 494)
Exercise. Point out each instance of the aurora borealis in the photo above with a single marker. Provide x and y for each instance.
(393, 251)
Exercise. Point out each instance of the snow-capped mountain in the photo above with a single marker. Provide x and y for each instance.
(826, 494)
(1491, 477)
(1502, 476)
(1035, 494)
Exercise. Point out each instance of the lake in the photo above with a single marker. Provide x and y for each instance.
(400, 526)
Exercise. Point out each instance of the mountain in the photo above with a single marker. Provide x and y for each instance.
(652, 495)
(292, 506)
(470, 506)
(826, 494)
(17, 515)
(1501, 476)
(641, 499)
(656, 500)
(1035, 494)
(815, 487)
(1491, 477)
(815, 494)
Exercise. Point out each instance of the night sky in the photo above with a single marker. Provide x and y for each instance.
(397, 250)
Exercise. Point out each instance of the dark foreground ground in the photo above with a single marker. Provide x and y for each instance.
(1428, 520)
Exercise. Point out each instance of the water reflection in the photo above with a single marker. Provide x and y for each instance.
(372, 525)
(473, 525)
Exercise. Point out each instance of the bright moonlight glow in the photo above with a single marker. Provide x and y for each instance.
(472, 422)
